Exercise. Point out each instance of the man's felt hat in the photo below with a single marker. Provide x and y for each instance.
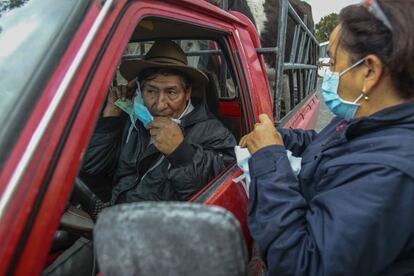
(163, 54)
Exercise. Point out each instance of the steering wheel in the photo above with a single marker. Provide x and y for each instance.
(89, 201)
(81, 221)
(77, 222)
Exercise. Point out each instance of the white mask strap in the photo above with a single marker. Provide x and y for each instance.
(353, 102)
(352, 66)
(357, 99)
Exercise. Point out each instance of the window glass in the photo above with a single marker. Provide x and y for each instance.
(28, 28)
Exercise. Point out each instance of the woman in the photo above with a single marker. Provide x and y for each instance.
(350, 211)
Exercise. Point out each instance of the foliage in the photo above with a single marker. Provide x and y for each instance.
(325, 27)
(6, 5)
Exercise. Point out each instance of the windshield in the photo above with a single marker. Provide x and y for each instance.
(33, 36)
(27, 28)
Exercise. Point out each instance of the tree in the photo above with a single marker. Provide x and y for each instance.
(6, 5)
(325, 27)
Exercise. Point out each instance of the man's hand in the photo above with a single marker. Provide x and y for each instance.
(122, 92)
(263, 135)
(166, 134)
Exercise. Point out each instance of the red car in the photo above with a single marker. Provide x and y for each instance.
(57, 61)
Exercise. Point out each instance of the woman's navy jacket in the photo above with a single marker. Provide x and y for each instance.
(351, 209)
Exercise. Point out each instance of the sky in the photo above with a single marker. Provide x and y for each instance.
(321, 8)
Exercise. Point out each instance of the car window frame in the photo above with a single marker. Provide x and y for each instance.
(52, 180)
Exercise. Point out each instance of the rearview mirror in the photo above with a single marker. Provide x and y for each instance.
(169, 239)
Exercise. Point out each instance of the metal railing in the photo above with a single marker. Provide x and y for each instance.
(296, 67)
(225, 5)
(299, 67)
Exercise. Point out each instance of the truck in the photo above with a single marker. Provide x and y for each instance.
(59, 58)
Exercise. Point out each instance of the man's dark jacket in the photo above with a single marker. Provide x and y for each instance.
(141, 172)
(351, 209)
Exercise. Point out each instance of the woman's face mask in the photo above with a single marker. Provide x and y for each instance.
(335, 103)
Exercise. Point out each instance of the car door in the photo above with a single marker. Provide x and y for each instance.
(39, 168)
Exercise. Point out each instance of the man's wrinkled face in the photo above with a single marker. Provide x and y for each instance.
(165, 96)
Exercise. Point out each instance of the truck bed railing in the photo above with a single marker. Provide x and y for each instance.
(300, 70)
(295, 74)
(225, 5)
(295, 77)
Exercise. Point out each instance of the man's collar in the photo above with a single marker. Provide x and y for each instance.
(187, 110)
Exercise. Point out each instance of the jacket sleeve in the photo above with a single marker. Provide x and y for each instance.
(355, 228)
(103, 150)
(195, 164)
(296, 140)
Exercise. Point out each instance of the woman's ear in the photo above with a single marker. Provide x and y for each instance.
(372, 73)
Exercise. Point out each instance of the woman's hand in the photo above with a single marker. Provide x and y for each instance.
(264, 134)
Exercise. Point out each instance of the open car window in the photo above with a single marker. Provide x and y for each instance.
(221, 94)
(210, 54)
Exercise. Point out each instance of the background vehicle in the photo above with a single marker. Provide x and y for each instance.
(54, 91)
(323, 63)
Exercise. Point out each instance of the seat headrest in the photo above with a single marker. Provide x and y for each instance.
(212, 92)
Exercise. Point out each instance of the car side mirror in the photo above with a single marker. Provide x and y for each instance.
(169, 239)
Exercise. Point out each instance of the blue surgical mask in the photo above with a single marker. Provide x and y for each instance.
(336, 104)
(140, 111)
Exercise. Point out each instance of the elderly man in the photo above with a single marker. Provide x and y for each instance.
(169, 153)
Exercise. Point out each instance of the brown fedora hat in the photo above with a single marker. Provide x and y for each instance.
(163, 54)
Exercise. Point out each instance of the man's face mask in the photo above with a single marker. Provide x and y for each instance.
(336, 104)
(140, 111)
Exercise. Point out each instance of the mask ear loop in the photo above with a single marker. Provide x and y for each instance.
(352, 66)
(138, 90)
(131, 115)
(357, 99)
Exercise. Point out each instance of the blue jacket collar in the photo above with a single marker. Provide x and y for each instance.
(401, 115)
